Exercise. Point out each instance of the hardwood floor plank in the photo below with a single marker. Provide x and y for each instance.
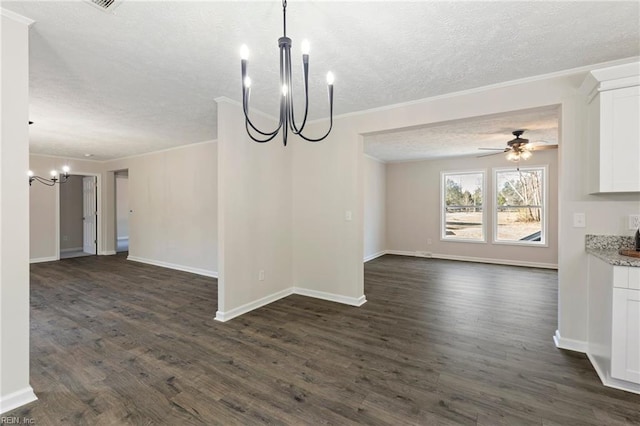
(438, 343)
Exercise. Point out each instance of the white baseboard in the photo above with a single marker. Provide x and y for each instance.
(70, 249)
(197, 271)
(247, 307)
(604, 374)
(496, 261)
(43, 259)
(569, 344)
(375, 255)
(474, 259)
(353, 301)
(404, 253)
(16, 399)
(107, 253)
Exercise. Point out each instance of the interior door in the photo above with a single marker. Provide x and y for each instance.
(89, 214)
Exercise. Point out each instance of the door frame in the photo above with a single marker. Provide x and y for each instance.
(100, 244)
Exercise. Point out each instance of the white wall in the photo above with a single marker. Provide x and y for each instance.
(44, 207)
(413, 211)
(328, 183)
(173, 195)
(174, 207)
(605, 213)
(14, 214)
(375, 239)
(254, 222)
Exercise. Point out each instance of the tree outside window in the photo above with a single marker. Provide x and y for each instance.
(520, 205)
(463, 212)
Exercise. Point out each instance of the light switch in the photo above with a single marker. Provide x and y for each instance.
(348, 215)
(579, 220)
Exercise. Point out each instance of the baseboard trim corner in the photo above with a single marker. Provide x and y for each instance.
(606, 379)
(569, 344)
(44, 259)
(374, 256)
(183, 268)
(17, 399)
(107, 253)
(247, 307)
(346, 300)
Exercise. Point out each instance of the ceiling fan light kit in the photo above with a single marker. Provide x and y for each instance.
(287, 117)
(519, 148)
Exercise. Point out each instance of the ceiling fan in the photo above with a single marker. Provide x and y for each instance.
(519, 148)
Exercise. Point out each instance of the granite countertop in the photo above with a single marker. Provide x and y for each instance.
(606, 248)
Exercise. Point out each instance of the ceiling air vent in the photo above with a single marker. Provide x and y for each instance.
(105, 5)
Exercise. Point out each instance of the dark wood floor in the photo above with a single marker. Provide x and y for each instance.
(438, 342)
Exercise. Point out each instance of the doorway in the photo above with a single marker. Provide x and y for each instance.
(78, 224)
(122, 210)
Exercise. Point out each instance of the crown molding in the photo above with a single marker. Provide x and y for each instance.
(16, 17)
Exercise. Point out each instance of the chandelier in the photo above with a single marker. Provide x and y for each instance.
(287, 117)
(55, 177)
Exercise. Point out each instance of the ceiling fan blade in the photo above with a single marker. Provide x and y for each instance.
(488, 155)
(493, 149)
(543, 147)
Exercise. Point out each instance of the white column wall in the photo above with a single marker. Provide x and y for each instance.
(254, 216)
(14, 214)
(375, 212)
(328, 183)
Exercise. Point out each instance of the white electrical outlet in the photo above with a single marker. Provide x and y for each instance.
(261, 275)
(429, 241)
(634, 221)
(579, 220)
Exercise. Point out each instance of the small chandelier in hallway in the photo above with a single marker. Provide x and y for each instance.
(55, 177)
(287, 116)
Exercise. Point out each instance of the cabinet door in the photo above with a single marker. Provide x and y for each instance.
(620, 139)
(625, 333)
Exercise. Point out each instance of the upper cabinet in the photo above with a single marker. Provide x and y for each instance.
(613, 135)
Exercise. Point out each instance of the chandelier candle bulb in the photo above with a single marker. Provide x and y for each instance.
(330, 78)
(30, 173)
(244, 52)
(53, 173)
(305, 47)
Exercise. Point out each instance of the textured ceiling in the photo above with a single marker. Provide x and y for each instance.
(464, 137)
(145, 78)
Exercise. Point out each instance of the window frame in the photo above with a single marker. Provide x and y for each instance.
(443, 215)
(544, 240)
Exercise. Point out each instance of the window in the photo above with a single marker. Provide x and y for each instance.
(462, 206)
(520, 213)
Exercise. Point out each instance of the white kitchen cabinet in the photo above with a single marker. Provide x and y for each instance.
(613, 345)
(613, 130)
(625, 338)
